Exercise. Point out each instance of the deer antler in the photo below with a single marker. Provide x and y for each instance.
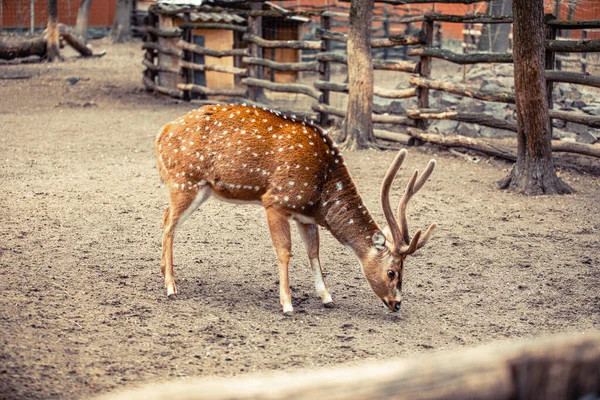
(406, 245)
(385, 196)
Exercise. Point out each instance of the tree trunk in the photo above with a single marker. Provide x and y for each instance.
(53, 52)
(533, 172)
(358, 127)
(82, 19)
(121, 29)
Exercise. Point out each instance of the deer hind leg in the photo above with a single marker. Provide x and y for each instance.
(181, 205)
(310, 237)
(279, 226)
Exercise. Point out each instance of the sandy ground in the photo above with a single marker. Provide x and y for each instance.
(83, 310)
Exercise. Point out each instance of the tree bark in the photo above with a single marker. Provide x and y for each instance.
(533, 172)
(52, 51)
(357, 128)
(121, 29)
(82, 19)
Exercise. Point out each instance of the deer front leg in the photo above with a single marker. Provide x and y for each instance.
(279, 226)
(310, 236)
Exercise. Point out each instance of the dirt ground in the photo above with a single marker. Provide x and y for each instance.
(83, 310)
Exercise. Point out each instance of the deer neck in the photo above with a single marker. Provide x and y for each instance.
(344, 214)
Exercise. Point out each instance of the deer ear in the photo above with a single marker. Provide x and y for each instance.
(378, 240)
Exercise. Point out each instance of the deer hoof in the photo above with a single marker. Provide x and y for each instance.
(289, 313)
(330, 304)
(171, 291)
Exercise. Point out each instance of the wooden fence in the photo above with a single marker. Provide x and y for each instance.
(566, 367)
(421, 46)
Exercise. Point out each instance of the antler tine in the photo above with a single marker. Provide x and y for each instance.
(385, 197)
(426, 236)
(413, 187)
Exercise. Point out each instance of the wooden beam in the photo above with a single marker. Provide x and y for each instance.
(541, 368)
(570, 24)
(377, 91)
(283, 44)
(573, 77)
(573, 46)
(166, 33)
(402, 66)
(160, 89)
(283, 87)
(299, 66)
(392, 41)
(237, 28)
(463, 90)
(473, 118)
(474, 58)
(182, 44)
(376, 118)
(471, 18)
(577, 117)
(161, 49)
(211, 67)
(157, 68)
(211, 91)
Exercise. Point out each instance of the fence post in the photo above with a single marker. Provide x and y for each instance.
(187, 74)
(424, 69)
(255, 71)
(584, 55)
(324, 69)
(549, 64)
(150, 37)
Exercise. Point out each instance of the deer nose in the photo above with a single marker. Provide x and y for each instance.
(397, 307)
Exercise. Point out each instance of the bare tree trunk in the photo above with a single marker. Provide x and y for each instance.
(53, 52)
(82, 19)
(533, 172)
(358, 127)
(121, 29)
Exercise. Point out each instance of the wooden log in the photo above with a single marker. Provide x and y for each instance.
(474, 58)
(237, 28)
(161, 49)
(164, 32)
(402, 2)
(394, 136)
(376, 118)
(542, 368)
(377, 91)
(299, 66)
(476, 18)
(157, 68)
(217, 68)
(573, 46)
(570, 24)
(402, 20)
(592, 121)
(463, 90)
(194, 48)
(473, 118)
(573, 77)
(11, 48)
(160, 89)
(211, 91)
(392, 41)
(283, 44)
(402, 66)
(504, 148)
(282, 87)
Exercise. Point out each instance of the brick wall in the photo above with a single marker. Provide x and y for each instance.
(16, 13)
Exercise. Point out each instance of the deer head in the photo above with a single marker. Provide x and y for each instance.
(384, 265)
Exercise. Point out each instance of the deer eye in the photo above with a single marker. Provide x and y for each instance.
(391, 274)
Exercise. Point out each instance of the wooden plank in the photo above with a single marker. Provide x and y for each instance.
(208, 52)
(541, 368)
(573, 77)
(283, 87)
(210, 67)
(284, 44)
(211, 91)
(463, 90)
(462, 59)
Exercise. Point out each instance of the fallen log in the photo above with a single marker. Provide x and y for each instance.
(504, 148)
(549, 368)
(19, 48)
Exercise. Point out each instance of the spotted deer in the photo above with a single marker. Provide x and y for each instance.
(293, 169)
